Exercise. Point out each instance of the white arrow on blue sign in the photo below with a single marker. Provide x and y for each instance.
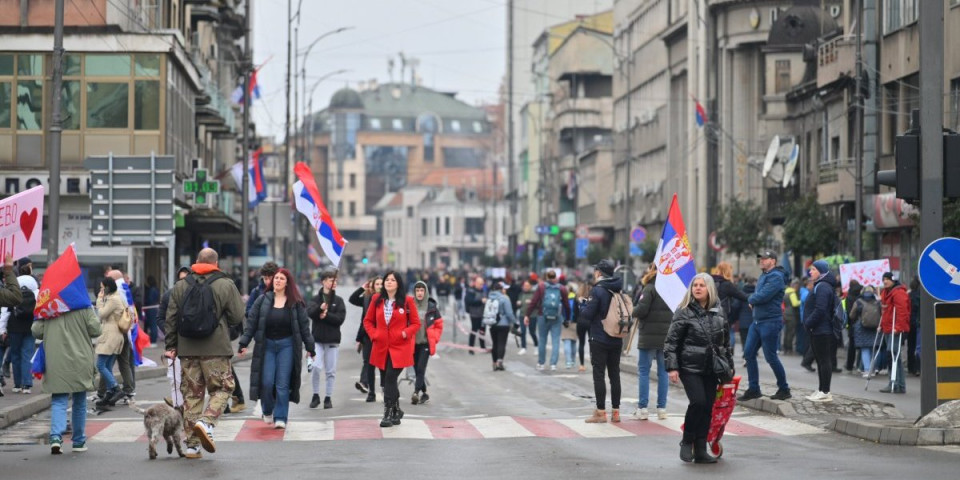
(939, 269)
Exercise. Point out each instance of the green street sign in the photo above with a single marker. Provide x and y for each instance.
(200, 186)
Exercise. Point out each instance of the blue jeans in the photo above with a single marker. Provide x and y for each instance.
(866, 358)
(277, 369)
(105, 367)
(895, 349)
(553, 328)
(644, 356)
(152, 328)
(764, 333)
(21, 347)
(58, 415)
(570, 351)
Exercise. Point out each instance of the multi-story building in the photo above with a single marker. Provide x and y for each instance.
(138, 77)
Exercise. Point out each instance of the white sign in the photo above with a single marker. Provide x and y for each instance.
(21, 223)
(867, 273)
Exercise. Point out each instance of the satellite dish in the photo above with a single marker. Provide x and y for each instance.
(791, 165)
(771, 155)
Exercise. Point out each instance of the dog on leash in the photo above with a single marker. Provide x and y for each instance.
(162, 421)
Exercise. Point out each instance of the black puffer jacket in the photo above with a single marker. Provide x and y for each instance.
(727, 292)
(327, 329)
(653, 318)
(594, 310)
(688, 341)
(359, 299)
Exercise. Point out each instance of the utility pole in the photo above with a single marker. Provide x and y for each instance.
(246, 68)
(931, 177)
(627, 62)
(858, 154)
(286, 132)
(511, 185)
(56, 126)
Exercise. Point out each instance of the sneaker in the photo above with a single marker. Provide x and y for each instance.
(866, 375)
(553, 368)
(17, 389)
(280, 425)
(25, 390)
(268, 419)
(781, 394)
(540, 366)
(661, 414)
(371, 397)
(315, 401)
(327, 403)
(193, 452)
(569, 366)
(361, 387)
(641, 414)
(749, 395)
(886, 389)
(79, 447)
(808, 368)
(415, 399)
(424, 398)
(523, 351)
(825, 397)
(56, 446)
(815, 396)
(205, 432)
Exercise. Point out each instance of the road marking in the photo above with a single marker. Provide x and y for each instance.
(415, 429)
(500, 427)
(594, 430)
(546, 428)
(453, 429)
(780, 426)
(120, 432)
(309, 431)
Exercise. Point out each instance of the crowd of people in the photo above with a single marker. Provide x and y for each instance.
(204, 312)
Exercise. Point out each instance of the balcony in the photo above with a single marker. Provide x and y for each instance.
(571, 113)
(214, 110)
(835, 181)
(836, 60)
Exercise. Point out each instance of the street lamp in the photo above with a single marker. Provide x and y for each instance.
(308, 139)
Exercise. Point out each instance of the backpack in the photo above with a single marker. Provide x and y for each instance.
(618, 321)
(198, 309)
(491, 312)
(21, 316)
(839, 319)
(870, 313)
(552, 303)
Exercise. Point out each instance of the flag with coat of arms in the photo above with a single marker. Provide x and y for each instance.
(674, 259)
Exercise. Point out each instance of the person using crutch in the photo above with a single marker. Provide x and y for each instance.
(894, 322)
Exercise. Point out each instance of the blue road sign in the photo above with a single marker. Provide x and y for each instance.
(938, 269)
(582, 245)
(638, 234)
(635, 250)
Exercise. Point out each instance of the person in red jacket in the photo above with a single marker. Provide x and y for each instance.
(895, 323)
(392, 323)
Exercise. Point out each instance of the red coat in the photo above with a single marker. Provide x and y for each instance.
(389, 338)
(895, 299)
(434, 332)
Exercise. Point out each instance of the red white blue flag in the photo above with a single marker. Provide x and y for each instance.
(254, 90)
(313, 256)
(307, 199)
(674, 259)
(700, 112)
(258, 186)
(63, 289)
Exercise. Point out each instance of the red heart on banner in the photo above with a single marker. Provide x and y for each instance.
(27, 223)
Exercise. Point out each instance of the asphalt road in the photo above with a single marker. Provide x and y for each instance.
(478, 424)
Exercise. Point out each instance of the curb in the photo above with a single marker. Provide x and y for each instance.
(896, 432)
(38, 403)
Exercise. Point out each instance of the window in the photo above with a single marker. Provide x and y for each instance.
(375, 124)
(461, 157)
(834, 149)
(447, 226)
(108, 65)
(147, 65)
(107, 105)
(409, 212)
(30, 104)
(438, 225)
(954, 99)
(477, 127)
(782, 76)
(423, 227)
(428, 125)
(353, 180)
(397, 124)
(474, 226)
(146, 105)
(339, 208)
(454, 125)
(900, 13)
(30, 65)
(353, 209)
(4, 104)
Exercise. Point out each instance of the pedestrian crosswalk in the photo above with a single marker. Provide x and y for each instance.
(497, 427)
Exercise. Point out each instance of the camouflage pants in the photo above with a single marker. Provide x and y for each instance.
(203, 375)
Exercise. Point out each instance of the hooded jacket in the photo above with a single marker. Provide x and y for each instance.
(727, 292)
(10, 293)
(653, 317)
(8, 324)
(688, 341)
(507, 318)
(594, 310)
(895, 301)
(69, 354)
(326, 330)
(431, 323)
(819, 307)
(767, 301)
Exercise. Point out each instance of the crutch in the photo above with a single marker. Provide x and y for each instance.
(876, 356)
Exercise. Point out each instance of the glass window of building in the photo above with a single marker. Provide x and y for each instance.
(374, 124)
(397, 124)
(107, 105)
(455, 125)
(107, 65)
(29, 104)
(477, 127)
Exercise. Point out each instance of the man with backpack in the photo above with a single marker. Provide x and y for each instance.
(15, 323)
(818, 320)
(202, 309)
(606, 340)
(550, 300)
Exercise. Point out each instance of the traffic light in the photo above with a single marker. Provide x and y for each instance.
(365, 260)
(906, 177)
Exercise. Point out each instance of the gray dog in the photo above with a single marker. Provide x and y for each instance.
(162, 421)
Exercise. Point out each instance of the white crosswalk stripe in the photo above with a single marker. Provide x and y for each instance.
(500, 427)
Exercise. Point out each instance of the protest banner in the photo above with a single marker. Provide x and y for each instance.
(21, 223)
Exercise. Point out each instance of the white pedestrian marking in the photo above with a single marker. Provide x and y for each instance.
(500, 427)
(120, 432)
(780, 426)
(227, 430)
(594, 430)
(673, 423)
(416, 429)
(309, 431)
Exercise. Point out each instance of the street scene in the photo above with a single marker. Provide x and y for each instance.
(526, 237)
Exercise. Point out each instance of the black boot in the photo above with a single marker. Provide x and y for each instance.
(686, 451)
(700, 452)
(315, 401)
(397, 413)
(371, 397)
(387, 420)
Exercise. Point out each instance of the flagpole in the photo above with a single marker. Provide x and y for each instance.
(245, 183)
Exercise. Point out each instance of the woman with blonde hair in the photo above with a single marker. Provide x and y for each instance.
(698, 332)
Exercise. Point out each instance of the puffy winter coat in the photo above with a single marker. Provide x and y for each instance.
(818, 311)
(862, 337)
(653, 318)
(594, 310)
(360, 299)
(326, 330)
(690, 336)
(388, 338)
(767, 301)
(432, 328)
(895, 301)
(255, 329)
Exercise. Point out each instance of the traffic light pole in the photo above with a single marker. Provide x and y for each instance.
(931, 178)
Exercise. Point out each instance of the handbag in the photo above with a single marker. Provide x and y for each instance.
(718, 362)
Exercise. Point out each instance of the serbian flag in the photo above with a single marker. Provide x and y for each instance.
(63, 289)
(258, 186)
(674, 260)
(313, 256)
(307, 199)
(237, 95)
(700, 112)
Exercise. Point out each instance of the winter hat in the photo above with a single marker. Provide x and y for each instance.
(888, 276)
(605, 267)
(821, 266)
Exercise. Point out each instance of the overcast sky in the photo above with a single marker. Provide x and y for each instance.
(461, 45)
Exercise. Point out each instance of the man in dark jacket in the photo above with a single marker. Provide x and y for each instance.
(327, 313)
(10, 295)
(767, 324)
(818, 321)
(853, 293)
(267, 271)
(604, 349)
(473, 301)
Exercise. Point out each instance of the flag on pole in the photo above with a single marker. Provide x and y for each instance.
(313, 256)
(308, 202)
(254, 89)
(258, 187)
(674, 260)
(700, 112)
(62, 289)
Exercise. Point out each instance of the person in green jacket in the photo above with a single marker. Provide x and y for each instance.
(10, 295)
(69, 371)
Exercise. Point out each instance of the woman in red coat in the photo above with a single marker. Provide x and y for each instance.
(392, 323)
